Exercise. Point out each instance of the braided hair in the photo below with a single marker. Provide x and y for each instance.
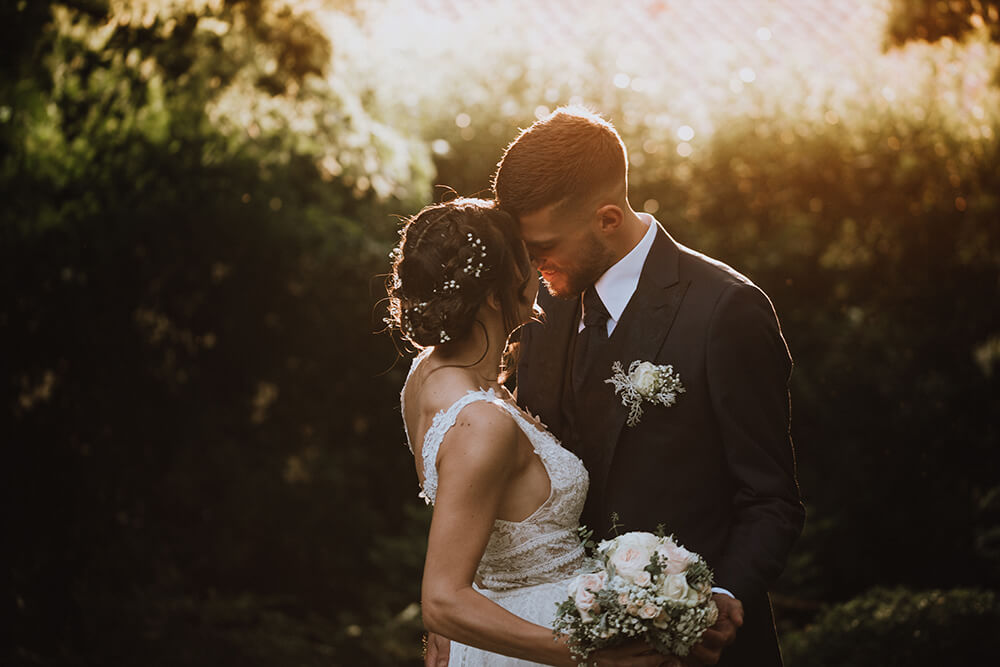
(450, 257)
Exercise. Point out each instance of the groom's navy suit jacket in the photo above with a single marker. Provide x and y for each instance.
(717, 468)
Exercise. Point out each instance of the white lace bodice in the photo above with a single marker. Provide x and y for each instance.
(544, 547)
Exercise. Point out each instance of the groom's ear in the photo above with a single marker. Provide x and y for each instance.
(610, 218)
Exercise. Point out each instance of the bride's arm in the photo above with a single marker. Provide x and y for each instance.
(476, 463)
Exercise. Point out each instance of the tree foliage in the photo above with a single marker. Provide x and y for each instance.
(932, 20)
(198, 205)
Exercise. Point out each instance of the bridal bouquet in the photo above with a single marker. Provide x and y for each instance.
(646, 587)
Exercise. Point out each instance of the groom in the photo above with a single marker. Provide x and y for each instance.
(716, 468)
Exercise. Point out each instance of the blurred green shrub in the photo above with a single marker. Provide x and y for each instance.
(194, 405)
(899, 627)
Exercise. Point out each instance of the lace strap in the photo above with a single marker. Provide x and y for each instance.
(442, 422)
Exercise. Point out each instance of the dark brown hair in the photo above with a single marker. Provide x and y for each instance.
(566, 157)
(450, 257)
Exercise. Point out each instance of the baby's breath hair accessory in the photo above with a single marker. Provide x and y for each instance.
(478, 245)
(405, 322)
(444, 338)
(645, 381)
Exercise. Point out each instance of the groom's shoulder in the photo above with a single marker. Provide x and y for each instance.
(707, 272)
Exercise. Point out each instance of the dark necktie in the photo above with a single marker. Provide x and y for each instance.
(593, 337)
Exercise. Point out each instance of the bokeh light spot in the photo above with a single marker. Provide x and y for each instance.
(463, 120)
(684, 149)
(685, 133)
(651, 206)
(440, 147)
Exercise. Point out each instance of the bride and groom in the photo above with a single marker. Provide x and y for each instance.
(512, 476)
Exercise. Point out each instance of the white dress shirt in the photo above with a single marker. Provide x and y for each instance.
(617, 285)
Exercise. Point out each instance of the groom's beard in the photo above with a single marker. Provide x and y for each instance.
(568, 282)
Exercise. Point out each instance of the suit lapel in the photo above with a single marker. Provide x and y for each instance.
(638, 336)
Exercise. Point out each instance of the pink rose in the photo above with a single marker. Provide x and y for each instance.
(649, 611)
(678, 559)
(630, 562)
(582, 590)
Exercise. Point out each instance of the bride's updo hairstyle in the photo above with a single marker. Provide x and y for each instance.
(450, 258)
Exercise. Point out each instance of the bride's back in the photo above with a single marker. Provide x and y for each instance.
(432, 388)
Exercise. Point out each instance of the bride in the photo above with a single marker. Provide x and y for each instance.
(507, 497)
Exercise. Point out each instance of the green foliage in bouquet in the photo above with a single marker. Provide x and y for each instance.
(901, 628)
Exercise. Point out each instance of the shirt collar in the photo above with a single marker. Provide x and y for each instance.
(617, 285)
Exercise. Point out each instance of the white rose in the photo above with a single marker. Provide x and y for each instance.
(645, 542)
(675, 587)
(645, 378)
(637, 538)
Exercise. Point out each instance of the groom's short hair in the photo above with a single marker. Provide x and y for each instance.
(564, 158)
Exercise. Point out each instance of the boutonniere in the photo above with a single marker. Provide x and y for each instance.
(645, 381)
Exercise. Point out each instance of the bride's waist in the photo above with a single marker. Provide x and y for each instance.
(555, 588)
(546, 563)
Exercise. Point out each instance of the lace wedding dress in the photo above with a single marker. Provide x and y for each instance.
(527, 564)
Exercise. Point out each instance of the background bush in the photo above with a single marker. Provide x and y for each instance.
(888, 627)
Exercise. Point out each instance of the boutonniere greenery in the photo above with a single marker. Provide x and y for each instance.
(645, 382)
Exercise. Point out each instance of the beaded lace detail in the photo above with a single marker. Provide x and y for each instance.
(544, 547)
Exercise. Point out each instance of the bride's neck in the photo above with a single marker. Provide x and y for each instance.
(480, 351)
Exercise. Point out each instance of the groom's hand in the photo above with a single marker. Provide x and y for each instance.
(723, 633)
(437, 651)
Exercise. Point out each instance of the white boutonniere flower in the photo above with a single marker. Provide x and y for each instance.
(645, 381)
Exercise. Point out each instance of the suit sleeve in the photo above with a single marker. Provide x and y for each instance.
(748, 367)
